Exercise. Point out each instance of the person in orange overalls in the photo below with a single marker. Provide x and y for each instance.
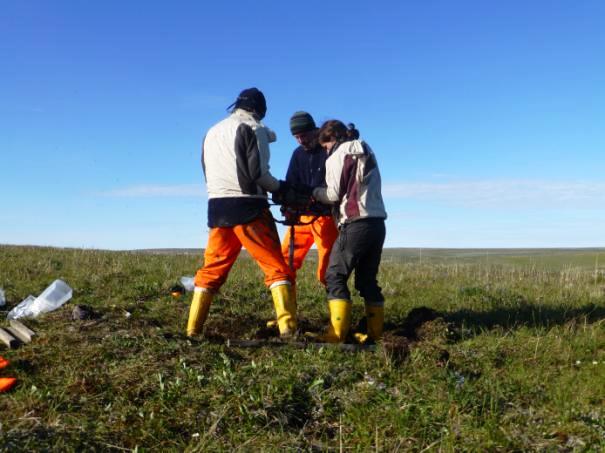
(308, 169)
(235, 160)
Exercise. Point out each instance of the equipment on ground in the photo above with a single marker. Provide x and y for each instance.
(8, 382)
(177, 291)
(8, 339)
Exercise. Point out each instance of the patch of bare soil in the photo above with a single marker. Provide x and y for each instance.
(421, 325)
(413, 322)
(398, 348)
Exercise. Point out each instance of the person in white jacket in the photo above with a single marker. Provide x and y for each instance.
(235, 159)
(354, 188)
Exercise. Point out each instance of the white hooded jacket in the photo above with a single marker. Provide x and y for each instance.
(353, 183)
(235, 158)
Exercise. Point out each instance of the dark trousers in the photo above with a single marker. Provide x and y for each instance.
(358, 248)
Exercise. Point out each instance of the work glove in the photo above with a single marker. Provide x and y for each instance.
(292, 195)
(279, 196)
(303, 190)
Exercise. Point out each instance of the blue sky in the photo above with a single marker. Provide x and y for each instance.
(487, 117)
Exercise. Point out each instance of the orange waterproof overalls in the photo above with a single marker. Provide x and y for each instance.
(224, 244)
(321, 231)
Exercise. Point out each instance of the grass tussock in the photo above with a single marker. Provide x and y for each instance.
(481, 351)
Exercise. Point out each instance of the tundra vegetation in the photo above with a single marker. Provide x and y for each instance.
(492, 349)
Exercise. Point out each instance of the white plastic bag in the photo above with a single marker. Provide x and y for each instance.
(2, 298)
(57, 293)
(188, 283)
(23, 310)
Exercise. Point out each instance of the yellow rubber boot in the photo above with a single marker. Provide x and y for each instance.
(375, 321)
(340, 321)
(273, 322)
(285, 309)
(200, 305)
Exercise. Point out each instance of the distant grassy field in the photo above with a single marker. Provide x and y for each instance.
(484, 350)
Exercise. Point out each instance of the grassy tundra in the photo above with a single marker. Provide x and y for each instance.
(497, 350)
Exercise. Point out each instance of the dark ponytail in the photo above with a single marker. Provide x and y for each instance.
(352, 133)
(334, 130)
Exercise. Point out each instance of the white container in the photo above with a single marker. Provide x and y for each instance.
(28, 300)
(2, 298)
(57, 293)
(188, 283)
(23, 310)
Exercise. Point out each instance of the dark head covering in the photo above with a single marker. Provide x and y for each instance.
(252, 100)
(301, 122)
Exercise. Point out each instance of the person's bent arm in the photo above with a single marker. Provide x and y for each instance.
(331, 193)
(321, 194)
(269, 182)
(266, 180)
(252, 151)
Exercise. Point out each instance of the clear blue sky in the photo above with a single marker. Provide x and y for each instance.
(488, 118)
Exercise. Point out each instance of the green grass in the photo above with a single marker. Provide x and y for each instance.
(511, 357)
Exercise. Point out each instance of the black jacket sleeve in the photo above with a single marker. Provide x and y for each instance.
(247, 159)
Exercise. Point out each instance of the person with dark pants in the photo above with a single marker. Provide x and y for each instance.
(354, 186)
(359, 248)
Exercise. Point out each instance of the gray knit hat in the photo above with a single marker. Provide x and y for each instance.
(301, 122)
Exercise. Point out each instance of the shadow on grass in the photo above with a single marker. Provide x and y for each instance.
(526, 315)
(473, 322)
(433, 330)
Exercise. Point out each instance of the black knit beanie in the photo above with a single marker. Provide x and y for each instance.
(301, 122)
(252, 100)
